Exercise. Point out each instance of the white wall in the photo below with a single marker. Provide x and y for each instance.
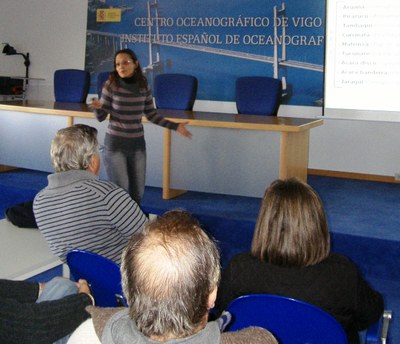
(53, 32)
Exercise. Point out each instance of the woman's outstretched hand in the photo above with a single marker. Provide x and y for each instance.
(183, 131)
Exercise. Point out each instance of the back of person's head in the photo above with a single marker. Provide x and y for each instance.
(291, 228)
(169, 272)
(73, 147)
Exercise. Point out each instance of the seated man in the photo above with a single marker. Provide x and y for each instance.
(78, 211)
(42, 312)
(170, 275)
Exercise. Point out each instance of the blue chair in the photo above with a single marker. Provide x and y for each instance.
(102, 274)
(102, 77)
(258, 95)
(289, 320)
(71, 85)
(175, 91)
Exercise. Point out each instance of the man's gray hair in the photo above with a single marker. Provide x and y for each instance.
(168, 272)
(73, 147)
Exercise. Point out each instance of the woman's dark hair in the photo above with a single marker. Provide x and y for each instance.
(138, 75)
(291, 228)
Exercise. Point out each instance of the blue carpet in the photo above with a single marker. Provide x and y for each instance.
(363, 219)
(360, 207)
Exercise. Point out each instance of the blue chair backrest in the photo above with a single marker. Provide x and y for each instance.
(175, 91)
(71, 85)
(103, 275)
(289, 320)
(258, 95)
(102, 77)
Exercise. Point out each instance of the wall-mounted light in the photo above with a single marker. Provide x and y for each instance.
(9, 50)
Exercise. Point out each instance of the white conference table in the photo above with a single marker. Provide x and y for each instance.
(294, 139)
(294, 132)
(24, 252)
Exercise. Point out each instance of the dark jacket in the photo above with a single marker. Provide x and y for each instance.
(24, 321)
(335, 285)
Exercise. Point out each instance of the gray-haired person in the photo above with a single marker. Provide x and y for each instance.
(170, 275)
(77, 210)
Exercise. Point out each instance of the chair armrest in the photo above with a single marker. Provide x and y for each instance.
(378, 332)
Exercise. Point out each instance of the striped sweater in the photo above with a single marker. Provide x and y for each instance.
(78, 211)
(126, 105)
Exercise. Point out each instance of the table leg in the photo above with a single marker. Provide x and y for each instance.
(70, 121)
(294, 155)
(168, 193)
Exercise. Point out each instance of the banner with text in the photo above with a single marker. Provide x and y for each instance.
(216, 41)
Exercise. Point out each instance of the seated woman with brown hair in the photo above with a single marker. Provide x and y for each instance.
(290, 256)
